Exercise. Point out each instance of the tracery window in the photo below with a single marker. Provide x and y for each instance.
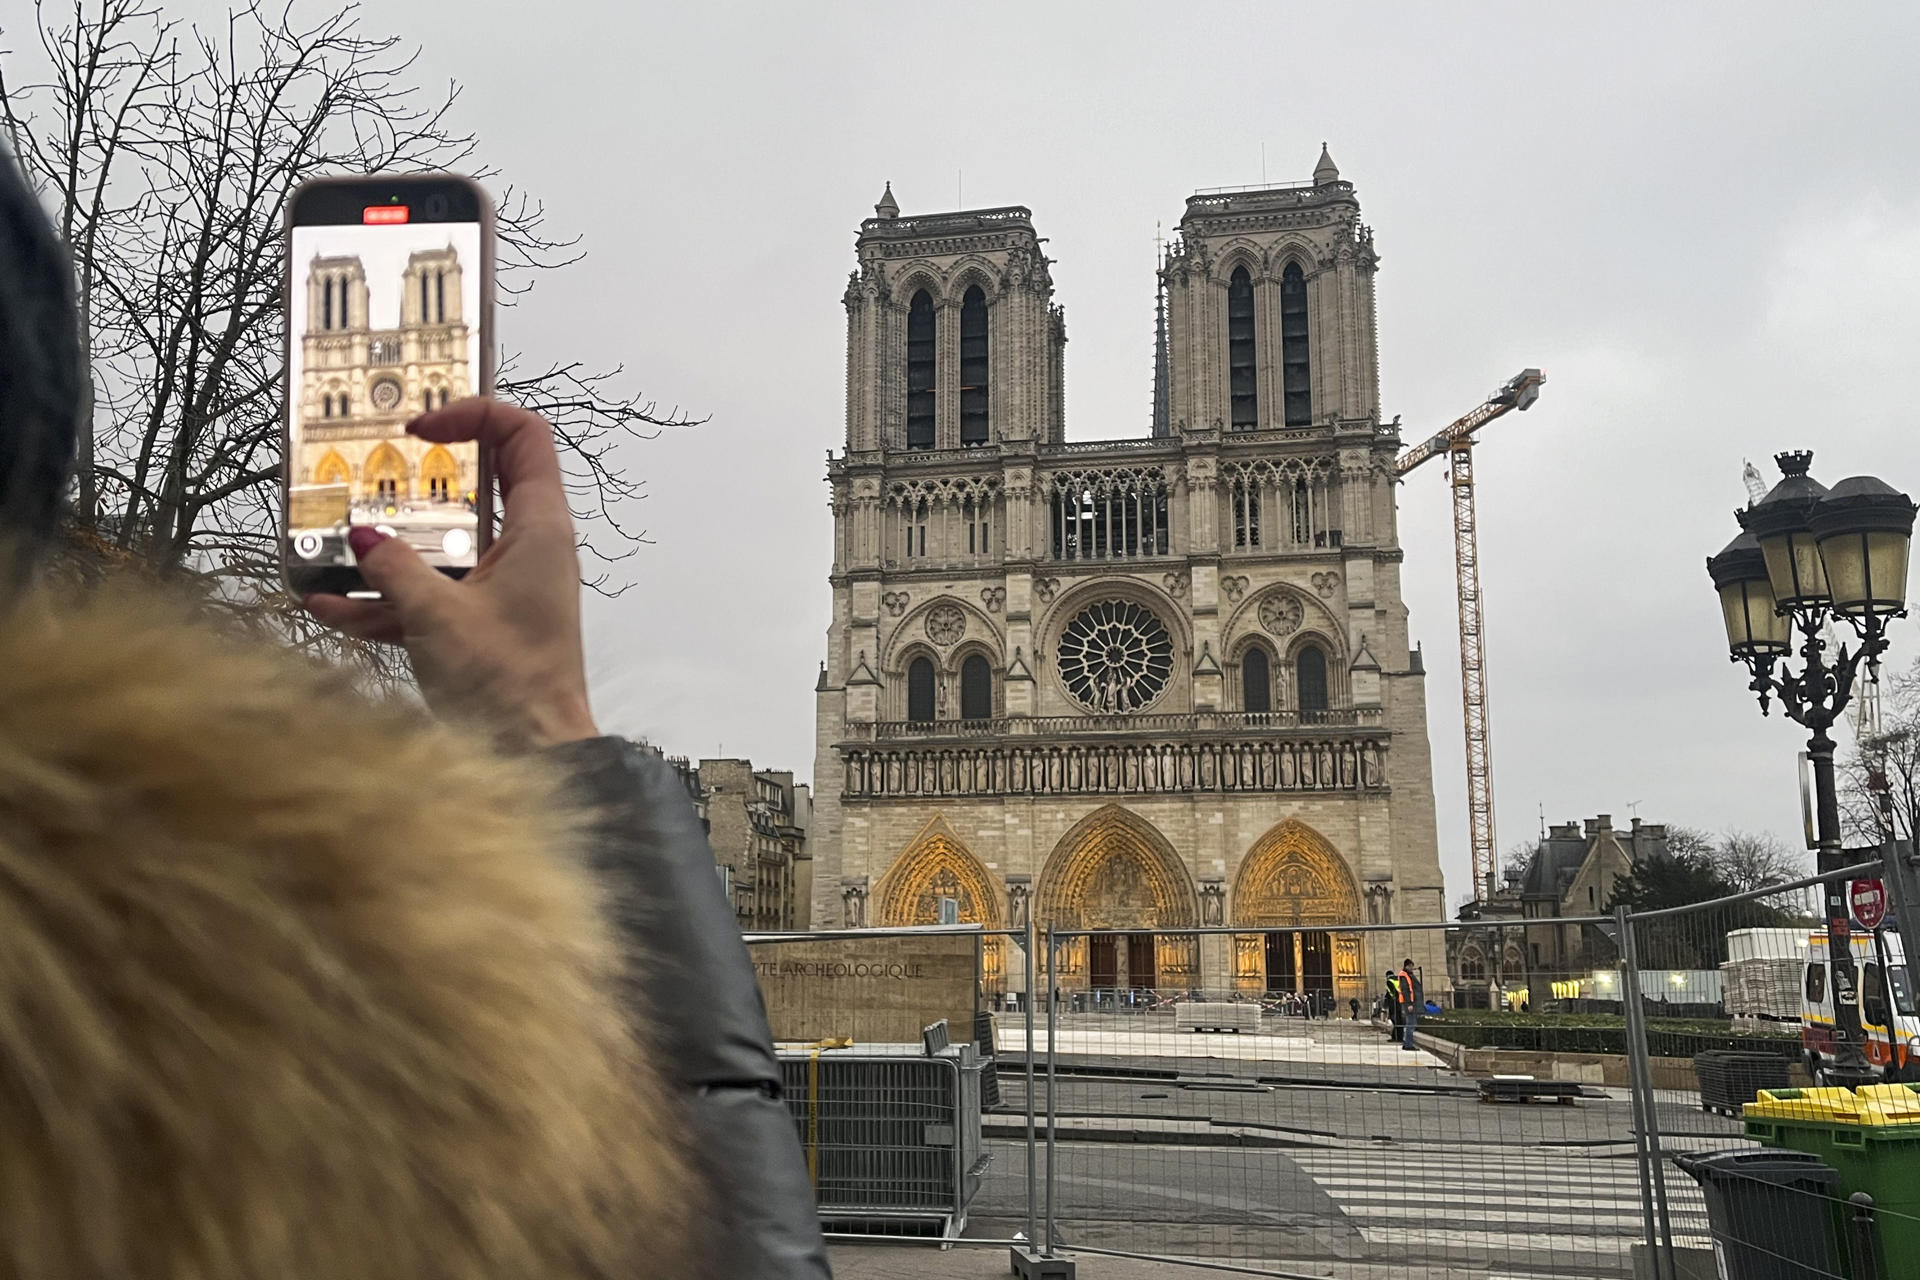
(1107, 515)
(914, 516)
(1295, 371)
(1246, 515)
(1310, 678)
(1242, 375)
(921, 358)
(920, 691)
(1115, 656)
(976, 688)
(1256, 681)
(973, 368)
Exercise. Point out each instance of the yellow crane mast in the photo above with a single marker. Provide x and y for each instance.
(1456, 441)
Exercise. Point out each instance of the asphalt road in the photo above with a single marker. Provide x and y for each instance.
(1333, 1171)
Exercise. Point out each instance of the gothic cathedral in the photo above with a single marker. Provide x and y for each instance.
(1137, 684)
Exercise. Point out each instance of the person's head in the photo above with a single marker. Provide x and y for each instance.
(1407, 963)
(41, 370)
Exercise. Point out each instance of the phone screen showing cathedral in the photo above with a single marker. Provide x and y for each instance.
(385, 327)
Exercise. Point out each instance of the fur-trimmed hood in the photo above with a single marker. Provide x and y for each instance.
(293, 986)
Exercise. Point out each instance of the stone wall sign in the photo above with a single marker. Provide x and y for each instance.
(882, 990)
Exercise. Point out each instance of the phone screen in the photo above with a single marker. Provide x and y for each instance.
(384, 306)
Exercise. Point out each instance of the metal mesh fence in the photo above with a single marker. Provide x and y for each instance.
(1281, 1117)
(1661, 1095)
(1774, 1144)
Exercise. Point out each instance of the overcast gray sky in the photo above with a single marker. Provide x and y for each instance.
(1703, 221)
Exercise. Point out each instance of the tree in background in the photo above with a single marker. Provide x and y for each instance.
(1880, 779)
(1742, 860)
(167, 156)
(1694, 939)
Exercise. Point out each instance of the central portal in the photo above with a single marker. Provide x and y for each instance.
(1115, 883)
(1299, 963)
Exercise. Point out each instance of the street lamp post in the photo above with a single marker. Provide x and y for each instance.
(1808, 555)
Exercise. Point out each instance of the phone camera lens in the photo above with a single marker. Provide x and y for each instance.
(436, 206)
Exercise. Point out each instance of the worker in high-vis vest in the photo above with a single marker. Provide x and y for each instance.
(1413, 999)
(1394, 1007)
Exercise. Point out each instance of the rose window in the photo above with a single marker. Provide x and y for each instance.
(1280, 613)
(1116, 657)
(386, 395)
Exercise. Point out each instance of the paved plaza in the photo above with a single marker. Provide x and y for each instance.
(1315, 1149)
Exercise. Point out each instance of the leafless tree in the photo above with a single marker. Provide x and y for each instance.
(1880, 778)
(1755, 859)
(1689, 842)
(168, 155)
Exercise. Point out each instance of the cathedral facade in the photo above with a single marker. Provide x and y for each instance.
(1136, 684)
(361, 383)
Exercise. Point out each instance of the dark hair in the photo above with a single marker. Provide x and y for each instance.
(40, 364)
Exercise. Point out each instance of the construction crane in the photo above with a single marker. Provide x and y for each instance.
(1456, 441)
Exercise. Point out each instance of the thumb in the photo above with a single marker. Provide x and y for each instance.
(396, 571)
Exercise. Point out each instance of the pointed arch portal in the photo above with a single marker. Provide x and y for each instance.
(1295, 886)
(1115, 874)
(936, 865)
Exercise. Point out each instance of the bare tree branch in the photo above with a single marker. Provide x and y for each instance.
(169, 155)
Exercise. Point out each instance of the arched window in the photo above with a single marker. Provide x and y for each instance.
(920, 365)
(326, 306)
(440, 296)
(1295, 375)
(1256, 681)
(1311, 678)
(426, 312)
(920, 691)
(973, 368)
(976, 689)
(1241, 375)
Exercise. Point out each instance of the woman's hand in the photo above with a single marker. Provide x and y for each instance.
(503, 643)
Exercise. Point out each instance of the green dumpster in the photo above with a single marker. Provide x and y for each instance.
(1871, 1138)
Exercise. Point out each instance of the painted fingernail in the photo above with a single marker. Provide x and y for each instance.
(364, 538)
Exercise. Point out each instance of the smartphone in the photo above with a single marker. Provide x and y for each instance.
(389, 306)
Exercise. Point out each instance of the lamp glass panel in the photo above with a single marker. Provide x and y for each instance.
(1867, 571)
(1752, 625)
(1794, 569)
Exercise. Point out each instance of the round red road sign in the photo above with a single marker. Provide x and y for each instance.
(1869, 901)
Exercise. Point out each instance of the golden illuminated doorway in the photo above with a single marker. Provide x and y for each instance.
(937, 865)
(1114, 870)
(384, 476)
(332, 469)
(1295, 887)
(440, 474)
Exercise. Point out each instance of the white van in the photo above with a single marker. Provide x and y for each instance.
(1885, 993)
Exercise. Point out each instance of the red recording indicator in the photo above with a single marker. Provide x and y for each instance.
(384, 215)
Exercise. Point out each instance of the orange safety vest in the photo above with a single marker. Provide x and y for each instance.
(1407, 986)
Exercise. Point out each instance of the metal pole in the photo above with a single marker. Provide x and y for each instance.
(1052, 1040)
(1866, 1251)
(1849, 1061)
(1903, 898)
(1026, 998)
(1642, 1121)
(1653, 1188)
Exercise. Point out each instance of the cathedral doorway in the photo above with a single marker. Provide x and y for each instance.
(440, 474)
(1292, 880)
(385, 475)
(1116, 874)
(936, 865)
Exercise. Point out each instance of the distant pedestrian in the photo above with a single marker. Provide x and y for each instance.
(1355, 1002)
(1393, 1002)
(1413, 996)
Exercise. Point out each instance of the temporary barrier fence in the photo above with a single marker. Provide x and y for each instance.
(1797, 1152)
(1569, 1076)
